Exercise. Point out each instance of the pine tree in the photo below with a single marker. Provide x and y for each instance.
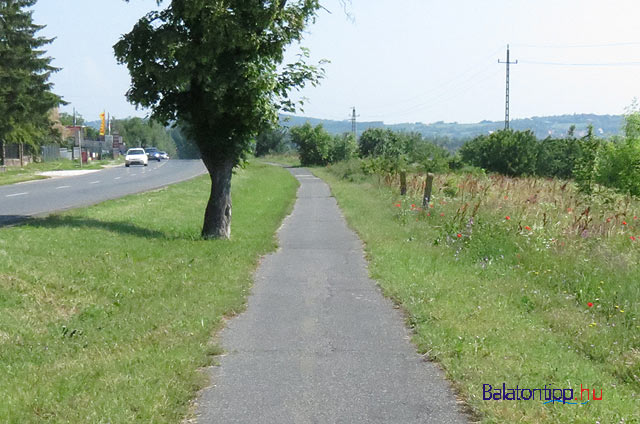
(25, 91)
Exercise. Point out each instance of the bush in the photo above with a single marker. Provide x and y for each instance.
(343, 148)
(272, 141)
(508, 152)
(619, 166)
(314, 144)
(557, 157)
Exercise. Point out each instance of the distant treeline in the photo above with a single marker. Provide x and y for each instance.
(452, 135)
(587, 158)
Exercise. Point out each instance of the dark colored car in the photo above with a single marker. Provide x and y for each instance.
(153, 153)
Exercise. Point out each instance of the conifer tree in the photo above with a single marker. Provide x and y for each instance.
(25, 90)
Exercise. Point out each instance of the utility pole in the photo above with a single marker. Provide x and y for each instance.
(506, 109)
(354, 125)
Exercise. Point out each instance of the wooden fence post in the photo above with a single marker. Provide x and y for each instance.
(21, 155)
(427, 191)
(403, 183)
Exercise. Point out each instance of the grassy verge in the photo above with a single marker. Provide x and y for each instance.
(283, 159)
(521, 282)
(106, 313)
(29, 172)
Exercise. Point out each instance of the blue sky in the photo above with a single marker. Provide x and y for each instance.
(400, 60)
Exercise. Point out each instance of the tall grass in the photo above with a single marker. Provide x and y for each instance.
(521, 281)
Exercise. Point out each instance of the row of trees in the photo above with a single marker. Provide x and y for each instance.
(386, 150)
(590, 160)
(140, 132)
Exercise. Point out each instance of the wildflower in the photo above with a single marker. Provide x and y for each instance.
(593, 324)
(590, 304)
(632, 238)
(526, 227)
(398, 205)
(459, 235)
(608, 219)
(507, 217)
(569, 210)
(506, 197)
(635, 218)
(624, 222)
(442, 214)
(413, 206)
(428, 213)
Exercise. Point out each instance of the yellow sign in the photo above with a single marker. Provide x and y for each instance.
(102, 123)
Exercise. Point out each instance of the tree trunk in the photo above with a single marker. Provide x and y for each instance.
(217, 217)
(3, 153)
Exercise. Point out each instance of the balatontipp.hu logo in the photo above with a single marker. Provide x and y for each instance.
(545, 395)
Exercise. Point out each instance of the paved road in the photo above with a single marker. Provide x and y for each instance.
(318, 342)
(33, 198)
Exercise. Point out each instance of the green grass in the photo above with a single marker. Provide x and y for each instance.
(29, 172)
(507, 300)
(107, 313)
(287, 159)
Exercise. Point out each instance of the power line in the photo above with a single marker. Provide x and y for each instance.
(440, 87)
(533, 62)
(579, 46)
(506, 107)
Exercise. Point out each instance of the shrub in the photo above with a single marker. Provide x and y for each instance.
(314, 144)
(343, 148)
(272, 141)
(508, 152)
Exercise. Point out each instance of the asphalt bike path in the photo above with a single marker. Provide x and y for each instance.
(318, 342)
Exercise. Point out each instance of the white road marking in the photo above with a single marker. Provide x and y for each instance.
(16, 194)
(94, 182)
(117, 178)
(58, 188)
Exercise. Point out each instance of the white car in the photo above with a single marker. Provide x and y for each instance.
(136, 157)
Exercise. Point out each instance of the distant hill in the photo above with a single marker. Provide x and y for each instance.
(453, 134)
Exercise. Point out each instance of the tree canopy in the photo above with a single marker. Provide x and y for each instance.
(25, 91)
(216, 68)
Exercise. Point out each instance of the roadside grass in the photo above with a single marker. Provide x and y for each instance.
(288, 159)
(515, 281)
(29, 172)
(107, 313)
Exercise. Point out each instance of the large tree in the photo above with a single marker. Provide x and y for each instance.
(25, 91)
(216, 68)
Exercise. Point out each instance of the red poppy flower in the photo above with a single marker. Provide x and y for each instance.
(590, 304)
(442, 214)
(459, 235)
(624, 222)
(527, 228)
(506, 197)
(635, 218)
(608, 219)
(398, 205)
(569, 209)
(507, 217)
(413, 206)
(632, 238)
